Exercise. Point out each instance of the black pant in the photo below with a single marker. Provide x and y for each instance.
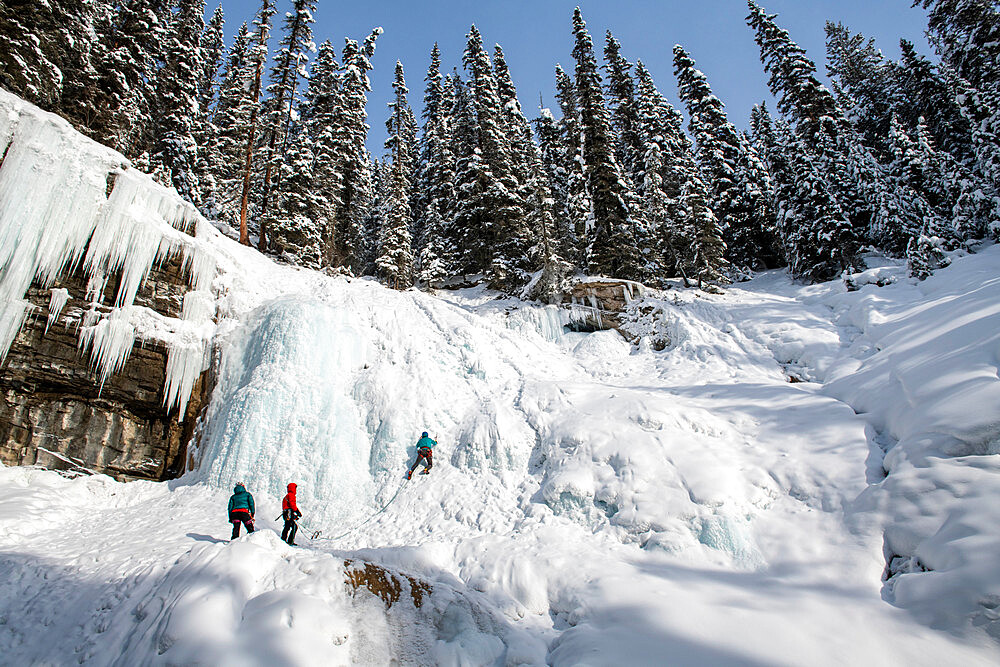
(425, 454)
(288, 532)
(236, 517)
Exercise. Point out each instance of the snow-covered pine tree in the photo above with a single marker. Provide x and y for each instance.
(212, 47)
(463, 140)
(793, 78)
(718, 146)
(554, 157)
(959, 197)
(51, 53)
(865, 83)
(289, 66)
(295, 231)
(132, 42)
(579, 202)
(258, 57)
(815, 232)
(401, 128)
(231, 118)
(824, 131)
(765, 139)
(926, 93)
(523, 240)
(966, 34)
(394, 258)
(206, 133)
(349, 154)
(612, 244)
(319, 114)
(624, 115)
(435, 189)
(667, 163)
(924, 255)
(707, 261)
(176, 150)
(901, 210)
(750, 238)
(31, 57)
(493, 211)
(373, 217)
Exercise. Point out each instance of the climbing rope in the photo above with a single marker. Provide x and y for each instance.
(316, 535)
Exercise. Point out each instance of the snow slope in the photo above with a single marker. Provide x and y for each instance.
(591, 502)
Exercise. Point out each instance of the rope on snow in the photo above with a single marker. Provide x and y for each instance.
(317, 534)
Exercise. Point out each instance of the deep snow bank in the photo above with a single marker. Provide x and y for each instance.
(924, 372)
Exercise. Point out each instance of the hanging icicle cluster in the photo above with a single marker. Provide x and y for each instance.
(67, 204)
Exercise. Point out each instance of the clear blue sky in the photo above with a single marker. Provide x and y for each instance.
(537, 34)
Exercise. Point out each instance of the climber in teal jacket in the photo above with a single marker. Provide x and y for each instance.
(241, 509)
(425, 453)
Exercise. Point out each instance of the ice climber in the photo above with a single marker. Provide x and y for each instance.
(241, 509)
(425, 453)
(290, 513)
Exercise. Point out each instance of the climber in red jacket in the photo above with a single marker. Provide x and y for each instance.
(290, 513)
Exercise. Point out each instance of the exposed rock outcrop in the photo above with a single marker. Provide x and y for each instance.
(53, 402)
(597, 305)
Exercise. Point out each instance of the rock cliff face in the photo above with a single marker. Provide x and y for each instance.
(54, 409)
(106, 305)
(598, 304)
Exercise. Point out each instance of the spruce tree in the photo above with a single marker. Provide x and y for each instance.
(579, 201)
(924, 92)
(866, 84)
(717, 141)
(394, 259)
(668, 165)
(817, 236)
(525, 242)
(554, 156)
(206, 133)
(294, 223)
(494, 210)
(258, 57)
(132, 40)
(750, 239)
(30, 60)
(177, 101)
(435, 189)
(966, 34)
(824, 133)
(231, 118)
(793, 78)
(319, 115)
(289, 66)
(624, 114)
(350, 156)
(612, 247)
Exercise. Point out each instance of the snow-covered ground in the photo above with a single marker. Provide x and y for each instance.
(592, 502)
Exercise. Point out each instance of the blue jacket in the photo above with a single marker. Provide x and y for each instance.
(426, 442)
(241, 500)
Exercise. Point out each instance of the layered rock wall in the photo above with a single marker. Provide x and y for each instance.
(53, 400)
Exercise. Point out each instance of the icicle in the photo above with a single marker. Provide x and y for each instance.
(11, 318)
(185, 364)
(109, 342)
(57, 299)
(55, 212)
